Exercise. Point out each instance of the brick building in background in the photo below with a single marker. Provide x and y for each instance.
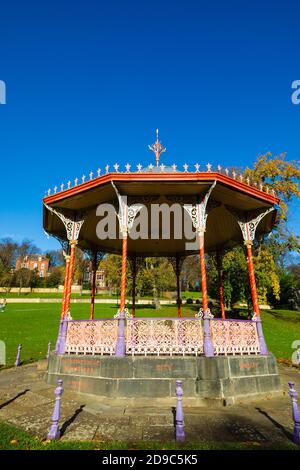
(101, 283)
(32, 262)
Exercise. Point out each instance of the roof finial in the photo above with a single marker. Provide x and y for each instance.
(157, 149)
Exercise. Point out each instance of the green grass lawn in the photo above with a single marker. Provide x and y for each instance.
(34, 325)
(12, 438)
(281, 328)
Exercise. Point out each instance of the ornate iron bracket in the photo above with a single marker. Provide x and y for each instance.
(125, 314)
(72, 227)
(126, 213)
(248, 223)
(199, 211)
(204, 314)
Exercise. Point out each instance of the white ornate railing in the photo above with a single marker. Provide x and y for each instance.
(164, 336)
(157, 336)
(234, 337)
(91, 337)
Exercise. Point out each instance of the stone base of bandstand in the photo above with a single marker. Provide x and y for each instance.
(222, 380)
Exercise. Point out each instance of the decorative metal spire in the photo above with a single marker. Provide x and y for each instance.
(157, 149)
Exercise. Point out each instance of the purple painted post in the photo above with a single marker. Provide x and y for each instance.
(120, 346)
(261, 339)
(208, 346)
(48, 350)
(17, 363)
(179, 420)
(296, 414)
(54, 432)
(62, 336)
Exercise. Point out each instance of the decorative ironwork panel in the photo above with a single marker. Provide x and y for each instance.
(92, 337)
(234, 337)
(164, 337)
(156, 336)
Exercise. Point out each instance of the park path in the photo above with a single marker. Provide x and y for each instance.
(26, 401)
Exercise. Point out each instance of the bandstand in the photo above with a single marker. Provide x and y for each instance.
(174, 212)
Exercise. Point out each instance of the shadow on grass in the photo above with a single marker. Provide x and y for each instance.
(286, 315)
(13, 399)
(71, 420)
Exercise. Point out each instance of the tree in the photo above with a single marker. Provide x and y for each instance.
(235, 277)
(22, 278)
(287, 285)
(271, 252)
(80, 266)
(8, 253)
(56, 258)
(236, 280)
(56, 277)
(160, 273)
(153, 278)
(113, 267)
(8, 249)
(280, 174)
(283, 176)
(266, 274)
(281, 242)
(190, 272)
(26, 247)
(294, 269)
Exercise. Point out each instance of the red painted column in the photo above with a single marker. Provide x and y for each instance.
(63, 306)
(133, 272)
(252, 277)
(123, 275)
(70, 275)
(203, 273)
(133, 293)
(220, 284)
(178, 288)
(94, 273)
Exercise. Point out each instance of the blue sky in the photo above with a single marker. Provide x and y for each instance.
(89, 82)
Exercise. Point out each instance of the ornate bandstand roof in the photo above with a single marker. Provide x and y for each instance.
(158, 184)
